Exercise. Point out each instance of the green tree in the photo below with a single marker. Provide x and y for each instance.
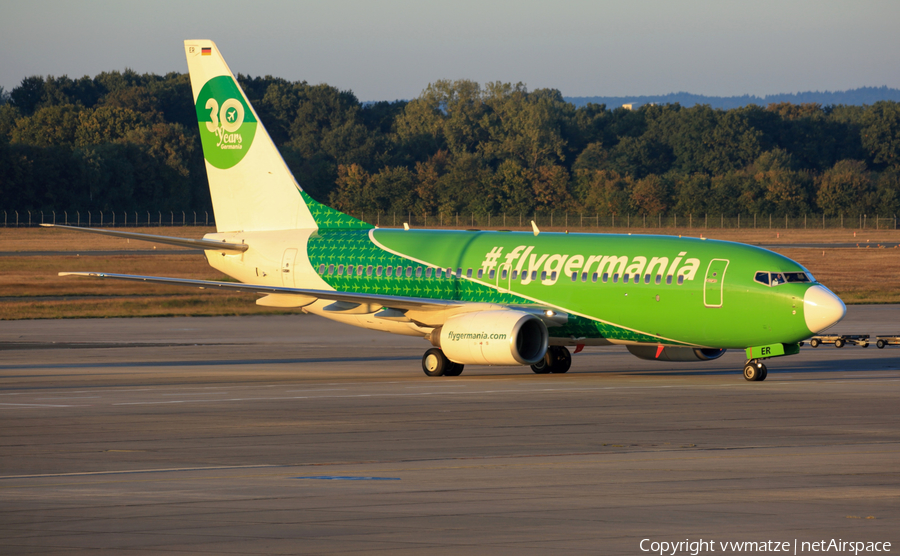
(649, 195)
(845, 188)
(881, 133)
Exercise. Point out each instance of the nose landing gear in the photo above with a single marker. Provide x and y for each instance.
(754, 370)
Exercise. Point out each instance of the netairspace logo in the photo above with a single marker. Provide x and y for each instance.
(694, 548)
(227, 125)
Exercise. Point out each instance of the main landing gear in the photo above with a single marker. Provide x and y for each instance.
(556, 360)
(435, 363)
(754, 370)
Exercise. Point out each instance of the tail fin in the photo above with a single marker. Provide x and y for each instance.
(251, 187)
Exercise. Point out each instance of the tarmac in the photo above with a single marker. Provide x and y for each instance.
(296, 435)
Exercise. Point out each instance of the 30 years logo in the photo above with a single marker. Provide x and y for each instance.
(227, 125)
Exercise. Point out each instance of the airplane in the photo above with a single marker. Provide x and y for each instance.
(479, 297)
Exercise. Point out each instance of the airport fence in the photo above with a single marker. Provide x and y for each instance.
(552, 220)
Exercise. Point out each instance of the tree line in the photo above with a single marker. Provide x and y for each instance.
(129, 141)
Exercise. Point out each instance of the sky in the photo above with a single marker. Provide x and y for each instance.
(392, 49)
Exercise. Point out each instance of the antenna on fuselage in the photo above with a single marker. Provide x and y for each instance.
(535, 228)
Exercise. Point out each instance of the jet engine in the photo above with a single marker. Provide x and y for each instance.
(671, 353)
(500, 337)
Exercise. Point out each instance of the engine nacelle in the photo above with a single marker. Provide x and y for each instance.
(500, 337)
(671, 353)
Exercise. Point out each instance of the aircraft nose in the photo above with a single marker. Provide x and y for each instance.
(822, 309)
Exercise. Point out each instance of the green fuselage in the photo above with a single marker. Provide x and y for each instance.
(691, 291)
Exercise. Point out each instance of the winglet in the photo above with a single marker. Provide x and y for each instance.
(535, 228)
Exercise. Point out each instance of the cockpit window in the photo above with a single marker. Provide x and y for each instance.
(795, 277)
(778, 278)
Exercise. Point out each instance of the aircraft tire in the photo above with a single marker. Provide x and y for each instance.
(764, 372)
(455, 369)
(545, 365)
(435, 363)
(751, 372)
(562, 360)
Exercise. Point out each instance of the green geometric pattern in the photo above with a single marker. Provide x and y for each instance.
(327, 217)
(353, 247)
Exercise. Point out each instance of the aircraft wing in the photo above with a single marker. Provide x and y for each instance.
(168, 240)
(414, 305)
(392, 301)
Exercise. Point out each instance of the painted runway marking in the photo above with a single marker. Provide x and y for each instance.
(34, 405)
(340, 478)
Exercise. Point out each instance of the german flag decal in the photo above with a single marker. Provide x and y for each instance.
(207, 51)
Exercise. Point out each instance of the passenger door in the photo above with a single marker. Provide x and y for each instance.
(714, 283)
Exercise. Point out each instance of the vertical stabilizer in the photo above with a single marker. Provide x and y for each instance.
(251, 187)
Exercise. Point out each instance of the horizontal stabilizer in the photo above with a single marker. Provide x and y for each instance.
(169, 240)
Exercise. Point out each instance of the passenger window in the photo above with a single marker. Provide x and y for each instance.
(515, 274)
(389, 271)
(492, 274)
(624, 278)
(321, 269)
(330, 269)
(349, 270)
(359, 270)
(680, 279)
(605, 277)
(534, 274)
(584, 277)
(340, 269)
(543, 275)
(658, 279)
(669, 279)
(409, 272)
(637, 278)
(459, 273)
(480, 272)
(594, 277)
(428, 272)
(574, 276)
(369, 270)
(419, 271)
(616, 277)
(378, 270)
(469, 273)
(503, 274)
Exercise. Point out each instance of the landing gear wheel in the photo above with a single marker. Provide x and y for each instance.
(839, 343)
(455, 369)
(755, 371)
(435, 363)
(543, 366)
(814, 343)
(879, 344)
(557, 359)
(562, 360)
